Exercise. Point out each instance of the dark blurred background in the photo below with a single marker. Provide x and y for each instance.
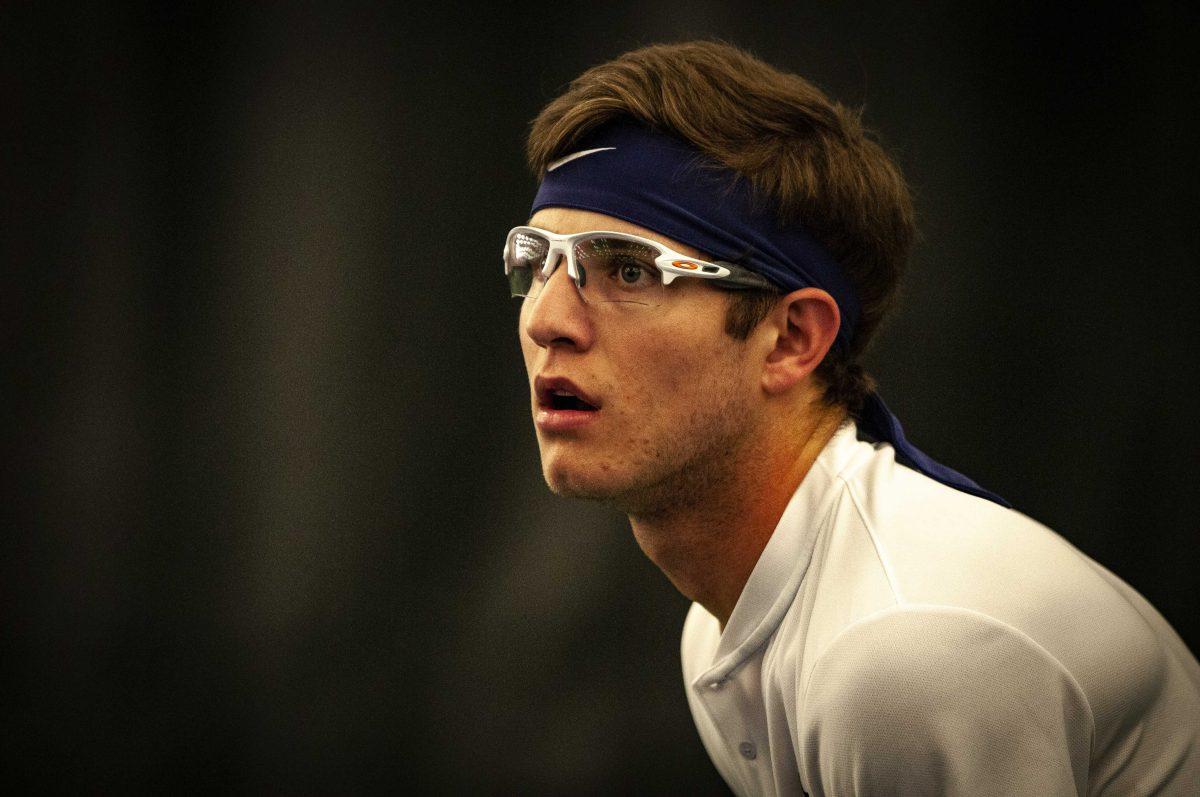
(273, 513)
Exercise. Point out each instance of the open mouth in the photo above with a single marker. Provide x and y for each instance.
(561, 400)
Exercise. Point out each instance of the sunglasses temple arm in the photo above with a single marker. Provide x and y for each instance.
(744, 279)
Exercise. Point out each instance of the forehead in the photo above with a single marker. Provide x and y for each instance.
(566, 221)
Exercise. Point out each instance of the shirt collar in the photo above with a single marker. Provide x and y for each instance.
(772, 586)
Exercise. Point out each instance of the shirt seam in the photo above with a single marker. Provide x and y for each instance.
(876, 545)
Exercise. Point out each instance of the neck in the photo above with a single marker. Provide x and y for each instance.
(708, 548)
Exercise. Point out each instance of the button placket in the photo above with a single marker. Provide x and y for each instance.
(722, 697)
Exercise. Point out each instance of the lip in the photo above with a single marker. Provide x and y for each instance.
(543, 386)
(548, 419)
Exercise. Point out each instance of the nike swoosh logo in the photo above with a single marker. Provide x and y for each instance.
(574, 156)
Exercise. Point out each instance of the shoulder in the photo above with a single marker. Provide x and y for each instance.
(905, 656)
(942, 695)
(939, 546)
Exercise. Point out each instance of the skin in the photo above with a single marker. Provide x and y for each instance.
(701, 439)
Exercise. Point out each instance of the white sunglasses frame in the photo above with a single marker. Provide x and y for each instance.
(671, 264)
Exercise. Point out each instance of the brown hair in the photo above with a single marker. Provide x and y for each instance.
(808, 154)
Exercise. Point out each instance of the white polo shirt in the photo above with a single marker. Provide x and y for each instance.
(898, 636)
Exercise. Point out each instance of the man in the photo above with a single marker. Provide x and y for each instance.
(710, 250)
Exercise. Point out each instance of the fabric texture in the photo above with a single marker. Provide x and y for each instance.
(898, 637)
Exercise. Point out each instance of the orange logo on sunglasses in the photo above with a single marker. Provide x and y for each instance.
(684, 264)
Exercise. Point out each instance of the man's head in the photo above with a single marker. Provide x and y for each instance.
(712, 377)
(805, 154)
(679, 402)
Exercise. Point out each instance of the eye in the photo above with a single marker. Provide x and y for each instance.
(624, 270)
(631, 272)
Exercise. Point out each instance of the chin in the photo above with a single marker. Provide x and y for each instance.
(575, 485)
(622, 491)
(595, 483)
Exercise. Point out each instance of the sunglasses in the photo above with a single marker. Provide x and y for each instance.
(610, 267)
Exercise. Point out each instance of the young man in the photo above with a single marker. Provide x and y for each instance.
(711, 248)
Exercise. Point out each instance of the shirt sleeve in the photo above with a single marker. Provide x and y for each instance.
(935, 700)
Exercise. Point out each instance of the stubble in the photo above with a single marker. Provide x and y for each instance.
(682, 466)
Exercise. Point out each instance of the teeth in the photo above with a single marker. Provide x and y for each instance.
(563, 393)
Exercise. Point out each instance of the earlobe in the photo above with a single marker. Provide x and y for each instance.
(803, 326)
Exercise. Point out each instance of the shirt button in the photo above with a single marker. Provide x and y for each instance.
(748, 751)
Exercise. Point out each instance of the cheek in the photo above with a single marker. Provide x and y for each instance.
(679, 366)
(679, 373)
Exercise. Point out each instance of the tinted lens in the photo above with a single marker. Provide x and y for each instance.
(526, 257)
(617, 270)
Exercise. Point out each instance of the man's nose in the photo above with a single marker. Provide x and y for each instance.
(558, 315)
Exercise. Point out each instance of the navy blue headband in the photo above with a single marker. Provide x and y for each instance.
(661, 183)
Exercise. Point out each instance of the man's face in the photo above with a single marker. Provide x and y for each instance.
(676, 393)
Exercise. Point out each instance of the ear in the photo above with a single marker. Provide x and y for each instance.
(803, 326)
